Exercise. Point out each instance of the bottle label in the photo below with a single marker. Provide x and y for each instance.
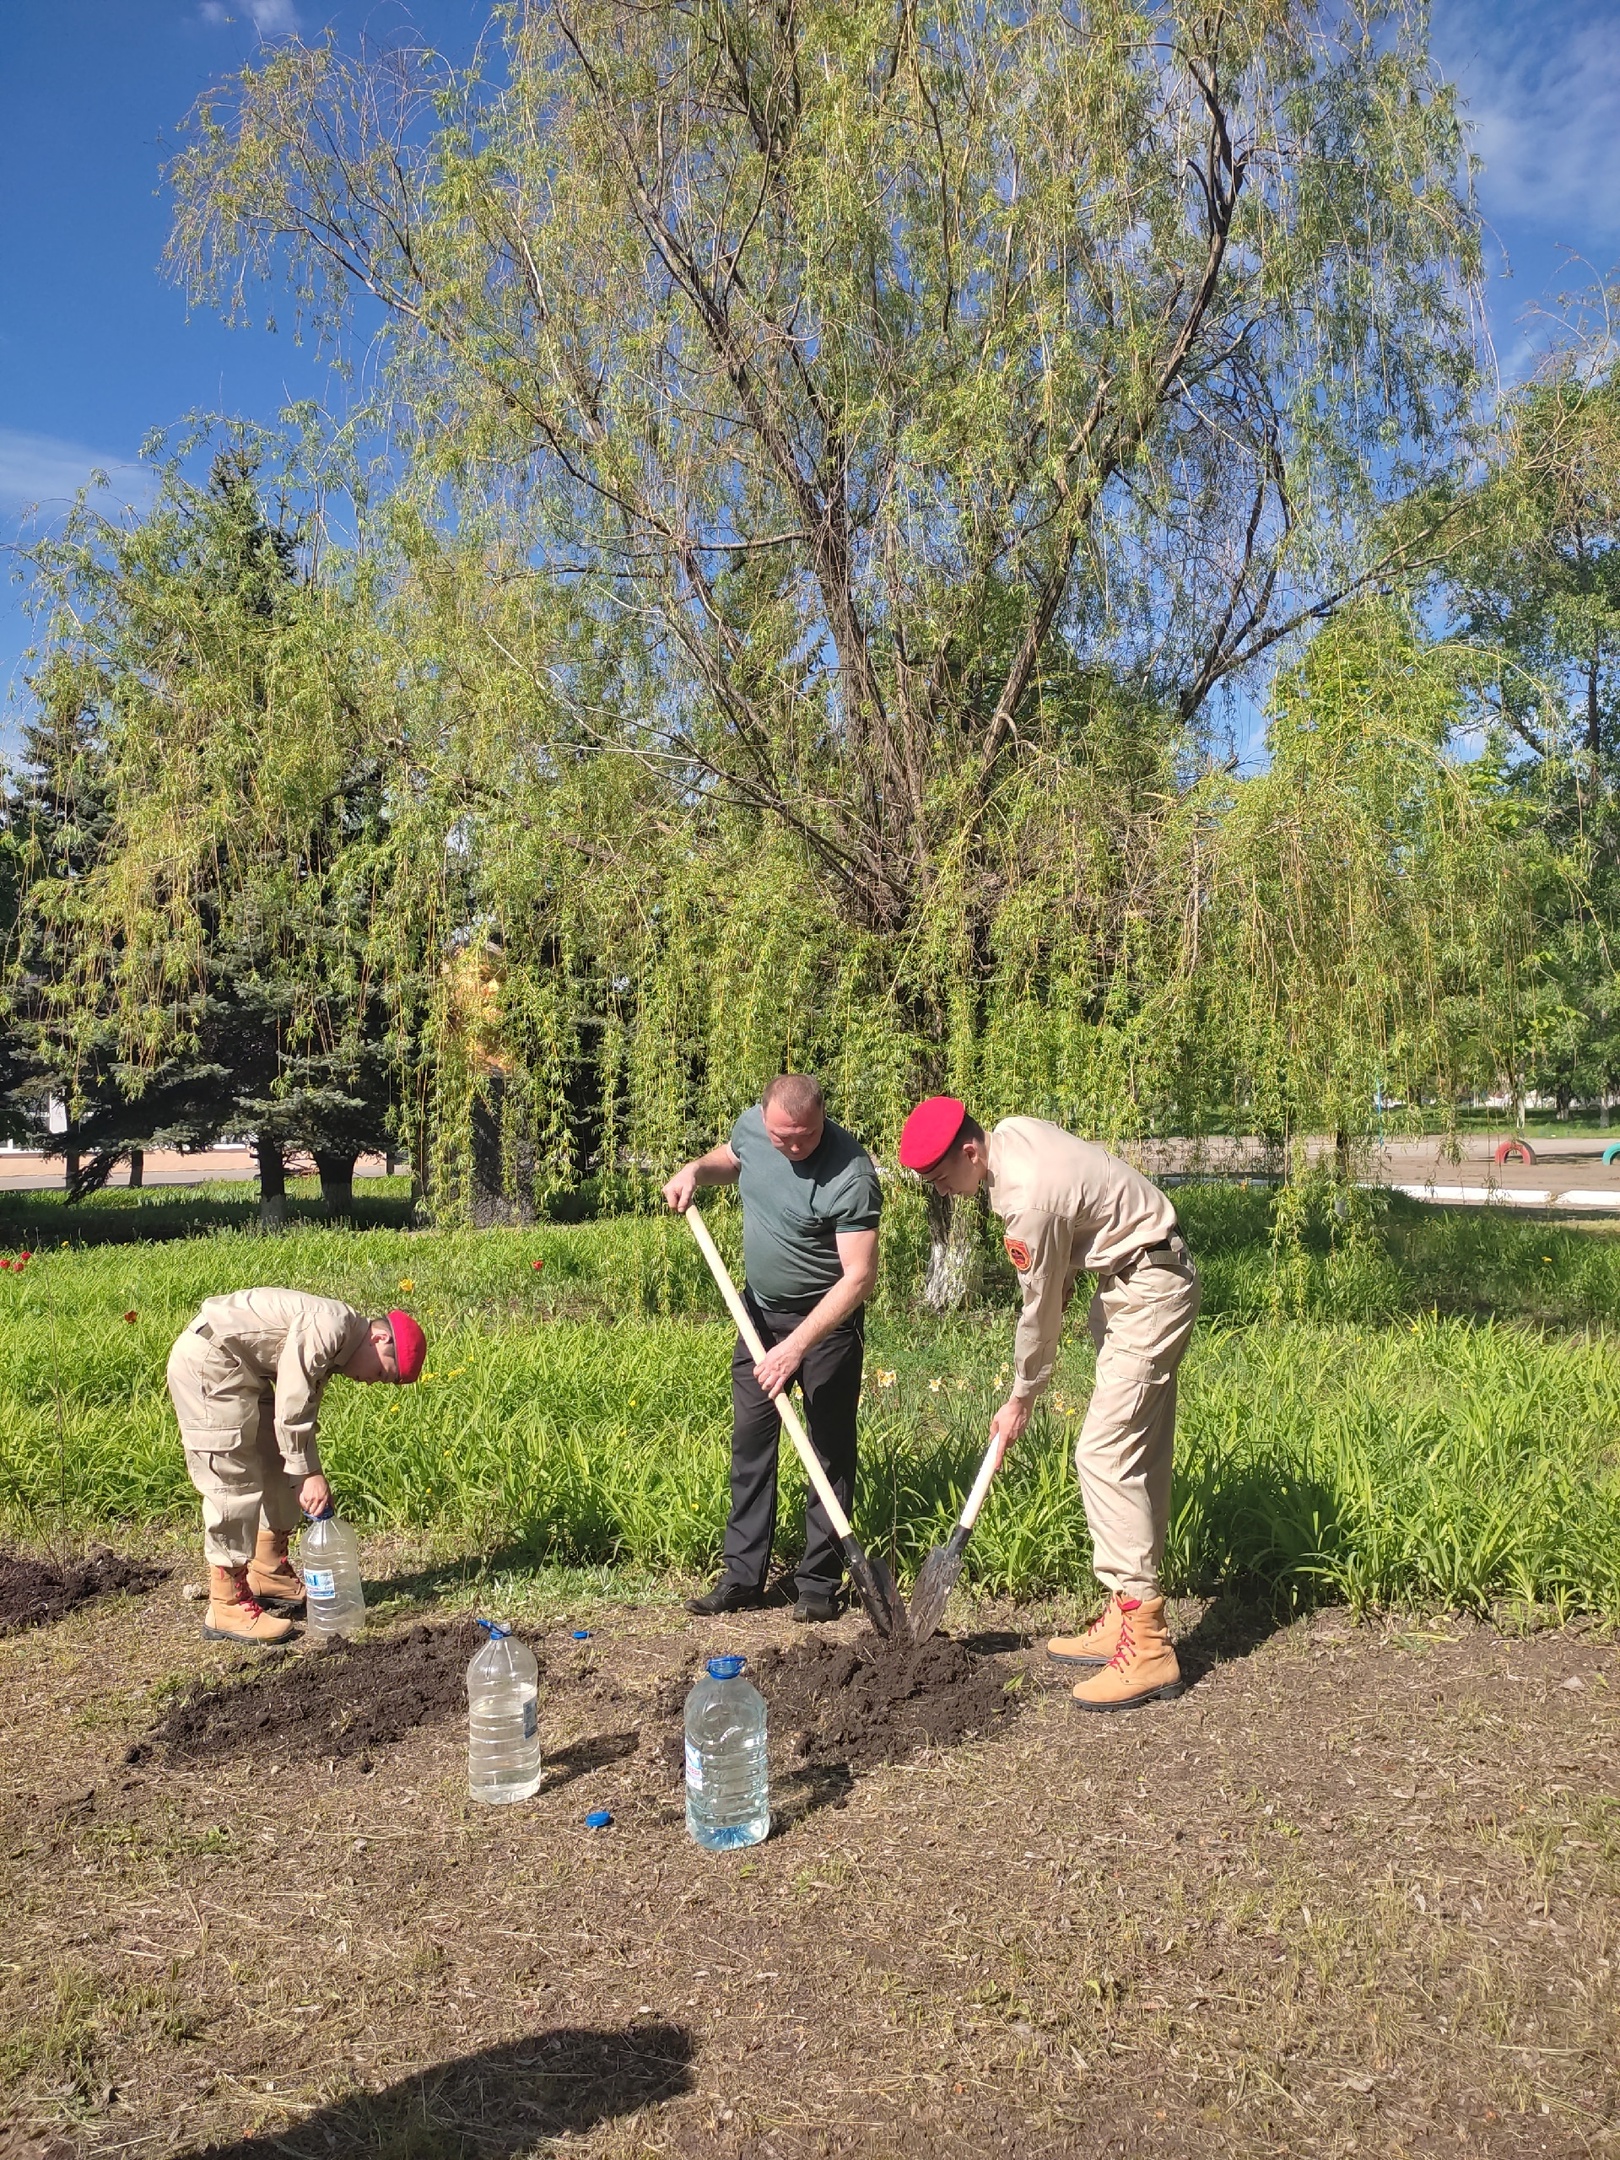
(694, 1768)
(321, 1581)
(531, 1720)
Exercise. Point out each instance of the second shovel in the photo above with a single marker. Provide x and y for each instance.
(936, 1578)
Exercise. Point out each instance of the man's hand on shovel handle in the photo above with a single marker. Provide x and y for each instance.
(681, 1190)
(1008, 1423)
(776, 1368)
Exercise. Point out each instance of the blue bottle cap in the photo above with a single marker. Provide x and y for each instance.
(324, 1515)
(582, 1634)
(726, 1668)
(493, 1629)
(598, 1818)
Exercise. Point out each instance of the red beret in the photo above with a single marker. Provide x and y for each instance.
(927, 1134)
(410, 1345)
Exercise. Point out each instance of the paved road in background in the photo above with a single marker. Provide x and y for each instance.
(1568, 1173)
(164, 1166)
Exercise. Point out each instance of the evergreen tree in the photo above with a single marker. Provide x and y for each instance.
(208, 954)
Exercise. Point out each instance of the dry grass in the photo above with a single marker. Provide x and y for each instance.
(1358, 1892)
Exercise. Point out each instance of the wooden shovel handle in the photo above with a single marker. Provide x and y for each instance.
(784, 1409)
(981, 1486)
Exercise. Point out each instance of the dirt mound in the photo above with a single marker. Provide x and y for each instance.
(340, 1700)
(35, 1592)
(853, 1705)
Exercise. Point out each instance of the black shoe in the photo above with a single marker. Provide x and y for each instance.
(811, 1608)
(725, 1597)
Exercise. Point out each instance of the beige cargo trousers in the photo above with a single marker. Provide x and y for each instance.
(228, 1430)
(1141, 1321)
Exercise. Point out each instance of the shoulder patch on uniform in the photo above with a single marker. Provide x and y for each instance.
(1019, 1254)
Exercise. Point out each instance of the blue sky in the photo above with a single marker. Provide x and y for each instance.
(96, 347)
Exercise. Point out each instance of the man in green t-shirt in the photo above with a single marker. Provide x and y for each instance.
(810, 1205)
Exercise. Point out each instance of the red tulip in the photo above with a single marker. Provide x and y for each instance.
(25, 1256)
(130, 1316)
(537, 1265)
(5, 1263)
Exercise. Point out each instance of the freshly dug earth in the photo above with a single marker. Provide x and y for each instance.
(331, 1703)
(836, 1707)
(35, 1592)
(856, 1704)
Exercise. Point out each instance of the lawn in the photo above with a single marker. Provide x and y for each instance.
(1425, 1412)
(1357, 1891)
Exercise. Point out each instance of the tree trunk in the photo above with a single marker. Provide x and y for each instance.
(336, 1173)
(272, 1182)
(952, 1257)
(137, 1168)
(70, 1175)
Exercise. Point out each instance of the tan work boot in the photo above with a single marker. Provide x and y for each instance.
(235, 1616)
(1094, 1645)
(271, 1576)
(1142, 1669)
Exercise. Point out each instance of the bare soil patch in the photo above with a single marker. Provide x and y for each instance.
(849, 1706)
(1356, 1893)
(337, 1700)
(837, 1708)
(35, 1592)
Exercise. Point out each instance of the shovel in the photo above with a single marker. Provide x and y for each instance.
(871, 1578)
(936, 1578)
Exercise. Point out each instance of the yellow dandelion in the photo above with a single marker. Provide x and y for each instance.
(407, 1283)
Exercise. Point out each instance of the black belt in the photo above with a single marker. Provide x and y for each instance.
(1173, 1252)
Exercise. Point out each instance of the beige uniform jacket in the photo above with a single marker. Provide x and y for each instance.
(1070, 1208)
(261, 1347)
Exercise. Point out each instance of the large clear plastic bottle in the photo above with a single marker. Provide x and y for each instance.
(503, 1718)
(728, 1792)
(329, 1556)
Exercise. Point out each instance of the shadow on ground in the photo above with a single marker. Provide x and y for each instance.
(1229, 1627)
(581, 1757)
(498, 2102)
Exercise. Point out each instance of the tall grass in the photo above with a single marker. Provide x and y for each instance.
(1383, 1448)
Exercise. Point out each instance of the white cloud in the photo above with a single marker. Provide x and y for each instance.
(44, 470)
(1542, 89)
(271, 18)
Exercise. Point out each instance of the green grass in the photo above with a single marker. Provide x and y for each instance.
(1437, 1422)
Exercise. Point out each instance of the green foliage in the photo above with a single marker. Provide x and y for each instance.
(1368, 1449)
(198, 819)
(846, 543)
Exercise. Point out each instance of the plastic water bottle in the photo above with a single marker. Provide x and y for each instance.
(728, 1795)
(329, 1555)
(503, 1718)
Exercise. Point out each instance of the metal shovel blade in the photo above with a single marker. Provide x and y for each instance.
(874, 1586)
(936, 1579)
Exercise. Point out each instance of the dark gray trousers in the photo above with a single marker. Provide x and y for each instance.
(829, 1382)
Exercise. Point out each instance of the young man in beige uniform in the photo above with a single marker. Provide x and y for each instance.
(1071, 1208)
(246, 1379)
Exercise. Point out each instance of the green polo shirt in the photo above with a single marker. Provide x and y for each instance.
(793, 1211)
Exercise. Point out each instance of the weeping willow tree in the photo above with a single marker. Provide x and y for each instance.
(875, 432)
(1373, 911)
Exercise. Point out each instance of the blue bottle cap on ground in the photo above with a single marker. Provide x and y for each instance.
(726, 1668)
(582, 1634)
(598, 1818)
